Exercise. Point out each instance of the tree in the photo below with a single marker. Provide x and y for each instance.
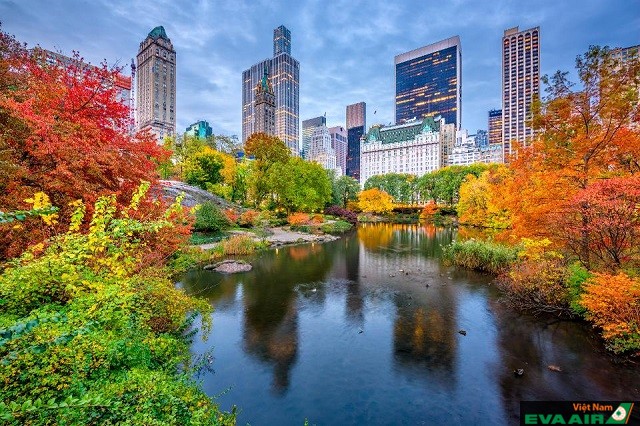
(401, 186)
(204, 168)
(444, 184)
(375, 201)
(345, 189)
(65, 133)
(267, 151)
(481, 198)
(299, 185)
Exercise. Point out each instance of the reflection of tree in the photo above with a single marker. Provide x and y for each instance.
(425, 336)
(375, 236)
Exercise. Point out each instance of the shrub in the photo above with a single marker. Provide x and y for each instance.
(577, 275)
(296, 219)
(317, 219)
(239, 245)
(345, 214)
(481, 255)
(612, 302)
(248, 218)
(429, 210)
(231, 215)
(337, 227)
(210, 218)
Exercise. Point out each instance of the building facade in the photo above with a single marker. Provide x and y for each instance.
(495, 126)
(156, 85)
(264, 109)
(320, 150)
(520, 85)
(284, 72)
(356, 127)
(429, 82)
(308, 126)
(412, 147)
(199, 129)
(339, 143)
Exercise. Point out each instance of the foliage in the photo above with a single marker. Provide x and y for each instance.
(66, 134)
(93, 333)
(443, 185)
(430, 209)
(481, 199)
(239, 245)
(249, 218)
(481, 255)
(210, 218)
(267, 151)
(344, 189)
(612, 303)
(337, 227)
(345, 214)
(299, 185)
(402, 187)
(602, 224)
(296, 219)
(576, 277)
(198, 238)
(203, 169)
(375, 201)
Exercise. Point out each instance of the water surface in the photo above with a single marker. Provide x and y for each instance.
(366, 330)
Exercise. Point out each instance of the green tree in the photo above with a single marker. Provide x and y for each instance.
(345, 189)
(299, 185)
(267, 151)
(204, 168)
(401, 186)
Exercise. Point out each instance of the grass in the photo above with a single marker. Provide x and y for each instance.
(198, 238)
(337, 227)
(480, 255)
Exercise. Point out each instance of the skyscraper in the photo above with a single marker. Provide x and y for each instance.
(520, 84)
(428, 82)
(320, 149)
(495, 126)
(308, 127)
(199, 129)
(284, 75)
(339, 145)
(356, 125)
(264, 109)
(156, 85)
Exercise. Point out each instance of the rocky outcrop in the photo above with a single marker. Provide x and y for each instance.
(193, 195)
(230, 266)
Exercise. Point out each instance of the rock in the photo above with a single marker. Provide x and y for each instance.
(463, 332)
(518, 372)
(230, 266)
(554, 368)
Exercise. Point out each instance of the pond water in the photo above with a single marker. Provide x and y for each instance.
(366, 330)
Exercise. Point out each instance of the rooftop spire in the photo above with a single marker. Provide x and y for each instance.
(158, 32)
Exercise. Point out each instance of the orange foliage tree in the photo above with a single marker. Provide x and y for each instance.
(613, 304)
(375, 201)
(64, 132)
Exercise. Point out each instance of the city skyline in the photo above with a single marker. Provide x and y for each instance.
(346, 52)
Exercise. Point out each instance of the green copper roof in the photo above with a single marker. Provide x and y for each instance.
(265, 82)
(402, 132)
(158, 32)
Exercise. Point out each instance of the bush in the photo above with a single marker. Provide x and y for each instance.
(210, 218)
(239, 245)
(337, 227)
(248, 218)
(296, 219)
(317, 219)
(577, 275)
(612, 302)
(345, 214)
(429, 210)
(481, 255)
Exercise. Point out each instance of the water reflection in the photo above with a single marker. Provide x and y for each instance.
(364, 330)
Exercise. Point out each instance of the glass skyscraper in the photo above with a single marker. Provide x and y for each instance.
(308, 126)
(356, 126)
(284, 75)
(428, 82)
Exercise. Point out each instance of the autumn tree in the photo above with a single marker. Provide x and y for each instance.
(401, 186)
(444, 184)
(375, 201)
(481, 199)
(65, 133)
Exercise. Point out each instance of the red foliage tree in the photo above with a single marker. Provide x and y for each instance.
(64, 132)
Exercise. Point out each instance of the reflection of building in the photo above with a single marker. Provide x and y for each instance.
(356, 125)
(264, 109)
(200, 130)
(284, 73)
(308, 126)
(428, 82)
(156, 85)
(520, 84)
(413, 147)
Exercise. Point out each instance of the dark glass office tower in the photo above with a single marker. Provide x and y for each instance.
(356, 127)
(428, 82)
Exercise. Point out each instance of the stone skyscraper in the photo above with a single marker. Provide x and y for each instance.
(284, 72)
(264, 110)
(356, 127)
(520, 84)
(156, 85)
(428, 82)
(308, 126)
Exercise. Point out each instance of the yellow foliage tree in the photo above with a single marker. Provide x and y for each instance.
(375, 201)
(482, 201)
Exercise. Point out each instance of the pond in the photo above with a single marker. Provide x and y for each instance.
(373, 329)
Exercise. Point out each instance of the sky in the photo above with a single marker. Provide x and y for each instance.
(346, 48)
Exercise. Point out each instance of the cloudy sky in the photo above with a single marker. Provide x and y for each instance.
(345, 47)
